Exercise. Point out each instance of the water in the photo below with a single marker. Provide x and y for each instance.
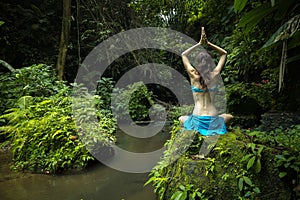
(96, 183)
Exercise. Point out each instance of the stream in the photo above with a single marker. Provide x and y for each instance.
(98, 182)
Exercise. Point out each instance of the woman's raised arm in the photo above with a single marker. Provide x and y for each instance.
(184, 55)
(223, 56)
(185, 59)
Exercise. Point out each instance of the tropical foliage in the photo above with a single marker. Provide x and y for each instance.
(39, 124)
(36, 80)
(44, 136)
(261, 74)
(284, 13)
(240, 166)
(133, 101)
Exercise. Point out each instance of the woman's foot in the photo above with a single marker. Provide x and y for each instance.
(198, 157)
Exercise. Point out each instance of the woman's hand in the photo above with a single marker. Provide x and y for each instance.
(203, 39)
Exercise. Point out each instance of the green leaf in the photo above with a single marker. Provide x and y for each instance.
(252, 146)
(286, 165)
(284, 32)
(253, 17)
(1, 23)
(184, 196)
(56, 133)
(291, 158)
(256, 190)
(246, 157)
(248, 194)
(247, 180)
(280, 157)
(176, 195)
(260, 150)
(199, 194)
(149, 181)
(250, 162)
(258, 166)
(239, 5)
(179, 195)
(282, 174)
(294, 58)
(241, 184)
(182, 187)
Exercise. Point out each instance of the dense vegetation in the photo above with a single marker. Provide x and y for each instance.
(262, 38)
(244, 164)
(39, 125)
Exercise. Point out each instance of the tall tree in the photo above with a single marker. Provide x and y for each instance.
(64, 38)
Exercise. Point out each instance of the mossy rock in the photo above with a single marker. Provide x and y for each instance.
(217, 176)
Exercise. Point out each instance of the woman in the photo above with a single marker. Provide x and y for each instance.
(205, 118)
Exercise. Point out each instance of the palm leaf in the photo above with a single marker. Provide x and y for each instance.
(253, 17)
(286, 31)
(239, 5)
(292, 59)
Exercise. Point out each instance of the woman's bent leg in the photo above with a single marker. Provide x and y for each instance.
(227, 118)
(182, 119)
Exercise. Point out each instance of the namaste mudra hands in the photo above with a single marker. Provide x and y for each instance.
(203, 39)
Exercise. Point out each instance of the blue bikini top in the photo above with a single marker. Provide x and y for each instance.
(195, 89)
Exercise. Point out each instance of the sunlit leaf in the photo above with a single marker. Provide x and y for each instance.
(256, 190)
(177, 195)
(282, 174)
(247, 180)
(260, 150)
(239, 5)
(246, 157)
(241, 184)
(182, 187)
(250, 162)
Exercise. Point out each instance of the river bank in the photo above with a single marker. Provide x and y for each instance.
(96, 182)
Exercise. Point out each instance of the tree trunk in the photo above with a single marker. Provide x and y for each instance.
(64, 38)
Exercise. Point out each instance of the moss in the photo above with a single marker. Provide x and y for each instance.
(187, 171)
(219, 175)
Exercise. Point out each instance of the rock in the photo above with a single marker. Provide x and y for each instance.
(218, 176)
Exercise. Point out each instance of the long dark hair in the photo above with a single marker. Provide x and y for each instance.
(205, 66)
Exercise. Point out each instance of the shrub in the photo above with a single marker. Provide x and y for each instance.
(140, 100)
(44, 136)
(36, 80)
(103, 91)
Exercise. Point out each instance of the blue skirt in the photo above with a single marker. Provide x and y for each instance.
(206, 125)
